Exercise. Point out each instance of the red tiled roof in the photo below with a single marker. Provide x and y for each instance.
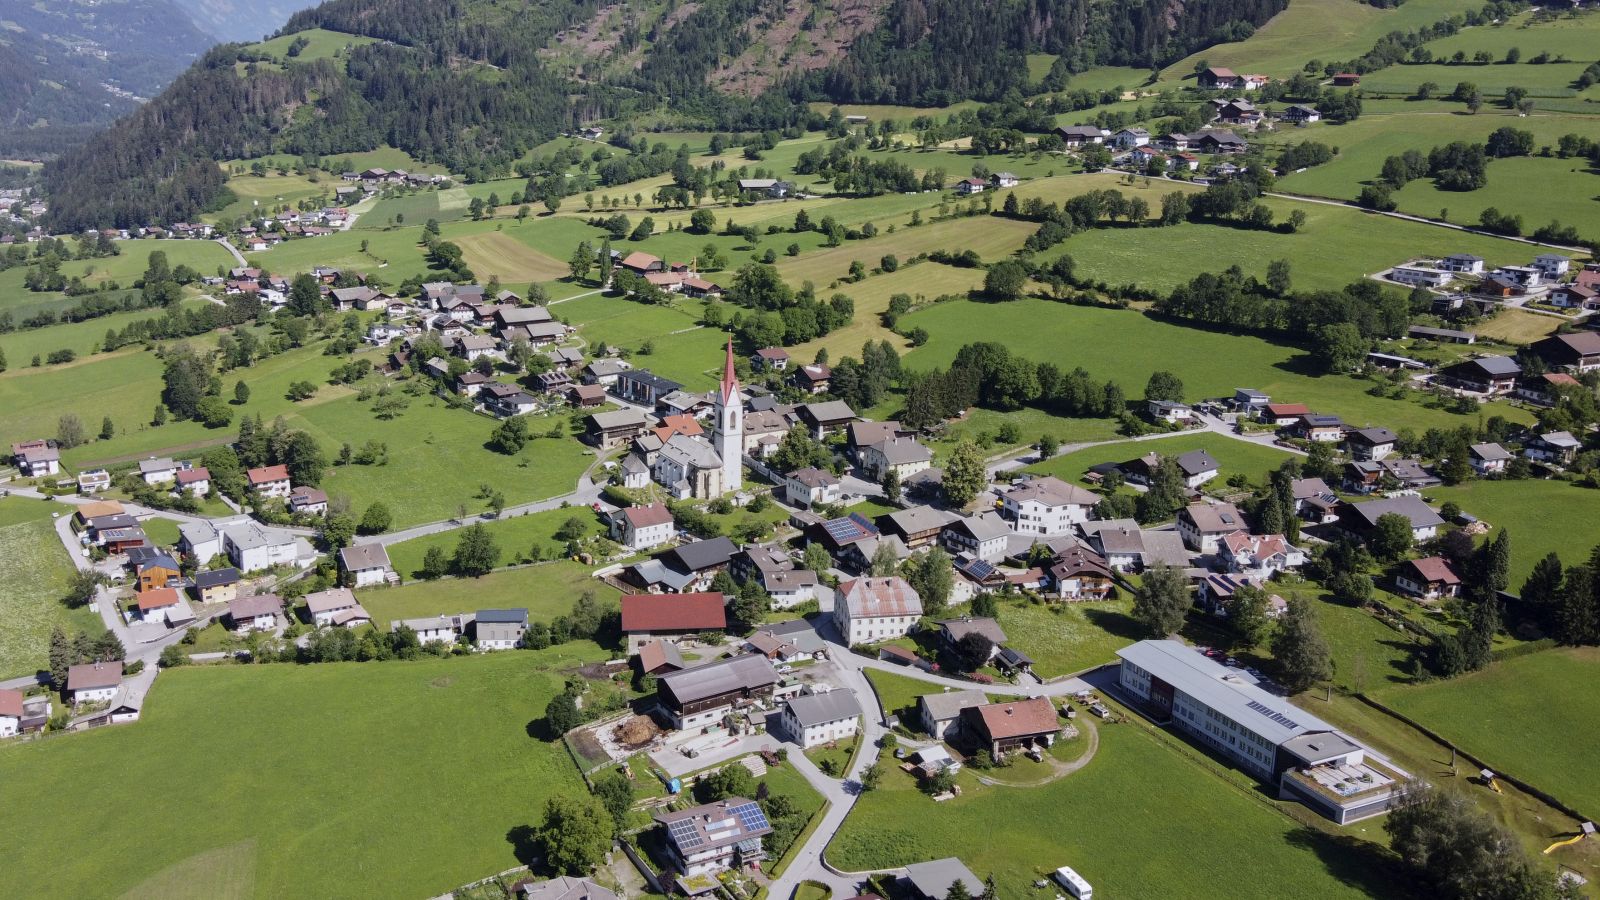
(1017, 718)
(645, 516)
(1288, 409)
(11, 703)
(705, 611)
(190, 476)
(1435, 568)
(156, 598)
(267, 474)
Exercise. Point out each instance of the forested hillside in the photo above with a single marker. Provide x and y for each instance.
(70, 66)
(464, 83)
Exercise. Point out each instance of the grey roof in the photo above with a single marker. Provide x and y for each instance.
(1051, 491)
(650, 379)
(816, 709)
(690, 453)
(949, 704)
(960, 628)
(1197, 461)
(156, 465)
(935, 878)
(250, 536)
(600, 368)
(1561, 439)
(1220, 517)
(1374, 436)
(897, 451)
(986, 527)
(621, 418)
(1222, 689)
(430, 623)
(330, 600)
(1410, 507)
(364, 556)
(92, 676)
(259, 605)
(515, 616)
(829, 411)
(216, 577)
(564, 887)
(1491, 452)
(729, 675)
(1164, 547)
(1496, 365)
(919, 519)
(702, 554)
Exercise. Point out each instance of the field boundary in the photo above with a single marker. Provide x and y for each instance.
(1518, 783)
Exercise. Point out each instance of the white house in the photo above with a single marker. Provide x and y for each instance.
(869, 610)
(37, 458)
(1203, 525)
(432, 630)
(252, 548)
(10, 713)
(1047, 506)
(1552, 265)
(365, 565)
(1259, 555)
(1170, 412)
(1490, 459)
(812, 720)
(1463, 263)
(269, 481)
(158, 471)
(984, 537)
(95, 682)
(811, 486)
(642, 527)
(258, 613)
(196, 481)
(1420, 276)
(902, 454)
(336, 606)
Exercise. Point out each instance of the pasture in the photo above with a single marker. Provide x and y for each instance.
(1542, 516)
(1193, 827)
(1128, 346)
(1069, 637)
(496, 254)
(546, 590)
(34, 569)
(516, 535)
(1236, 457)
(393, 254)
(683, 349)
(431, 763)
(322, 44)
(1531, 717)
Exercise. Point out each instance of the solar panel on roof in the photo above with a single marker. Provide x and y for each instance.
(751, 817)
(980, 569)
(1273, 714)
(684, 834)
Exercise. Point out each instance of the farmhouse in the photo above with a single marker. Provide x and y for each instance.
(869, 610)
(499, 629)
(1079, 135)
(810, 486)
(812, 720)
(701, 696)
(717, 836)
(1314, 501)
(366, 565)
(1260, 732)
(823, 419)
(1283, 414)
(611, 429)
(941, 713)
(1011, 725)
(682, 569)
(984, 537)
(917, 526)
(1577, 353)
(902, 455)
(646, 617)
(269, 481)
(1361, 519)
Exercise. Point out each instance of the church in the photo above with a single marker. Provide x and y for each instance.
(689, 466)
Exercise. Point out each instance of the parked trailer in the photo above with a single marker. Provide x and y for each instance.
(1074, 883)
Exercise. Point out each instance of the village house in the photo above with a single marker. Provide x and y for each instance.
(93, 481)
(1429, 578)
(336, 607)
(499, 629)
(1046, 505)
(812, 720)
(158, 571)
(642, 528)
(1129, 138)
(1551, 266)
(216, 585)
(1283, 415)
(308, 501)
(1314, 501)
(1011, 725)
(158, 471)
(681, 570)
(269, 481)
(1575, 296)
(812, 379)
(11, 712)
(787, 642)
(902, 455)
(971, 185)
(715, 837)
(1300, 114)
(36, 459)
(562, 887)
(810, 486)
(986, 537)
(953, 631)
(1555, 447)
(1169, 412)
(916, 526)
(824, 419)
(1577, 353)
(770, 359)
(940, 714)
(1203, 525)
(611, 429)
(1361, 519)
(1320, 428)
(366, 565)
(252, 548)
(1004, 180)
(1420, 276)
(163, 606)
(647, 617)
(1217, 590)
(258, 613)
(935, 880)
(1074, 136)
(1371, 444)
(1078, 573)
(432, 629)
(1259, 555)
(870, 610)
(1489, 459)
(196, 481)
(95, 682)
(701, 696)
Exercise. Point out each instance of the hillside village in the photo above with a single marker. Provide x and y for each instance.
(1004, 500)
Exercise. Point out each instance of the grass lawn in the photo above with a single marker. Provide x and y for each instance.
(516, 535)
(897, 694)
(683, 350)
(546, 590)
(982, 423)
(1517, 326)
(1542, 516)
(495, 253)
(162, 532)
(393, 254)
(1128, 346)
(34, 569)
(323, 44)
(1530, 715)
(1193, 828)
(1068, 637)
(1253, 460)
(431, 763)
(838, 756)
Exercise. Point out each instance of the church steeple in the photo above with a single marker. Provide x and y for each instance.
(728, 436)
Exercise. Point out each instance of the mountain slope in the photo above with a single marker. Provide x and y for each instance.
(472, 84)
(72, 64)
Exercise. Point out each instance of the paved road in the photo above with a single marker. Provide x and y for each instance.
(1018, 459)
(239, 257)
(1421, 220)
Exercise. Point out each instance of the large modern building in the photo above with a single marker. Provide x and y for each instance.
(1260, 732)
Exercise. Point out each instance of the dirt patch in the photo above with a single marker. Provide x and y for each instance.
(780, 44)
(443, 681)
(636, 732)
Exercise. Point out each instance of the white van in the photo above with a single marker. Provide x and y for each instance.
(1074, 883)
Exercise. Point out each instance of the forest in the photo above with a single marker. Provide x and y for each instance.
(461, 84)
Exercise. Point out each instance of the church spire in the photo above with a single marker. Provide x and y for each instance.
(730, 382)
